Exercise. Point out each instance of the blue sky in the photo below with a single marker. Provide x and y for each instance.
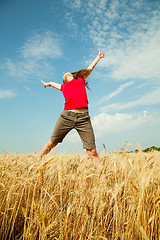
(41, 39)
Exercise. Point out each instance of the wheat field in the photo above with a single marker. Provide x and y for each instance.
(64, 197)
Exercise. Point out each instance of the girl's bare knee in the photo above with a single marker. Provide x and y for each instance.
(92, 152)
(51, 144)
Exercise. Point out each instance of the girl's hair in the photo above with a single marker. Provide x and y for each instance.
(82, 73)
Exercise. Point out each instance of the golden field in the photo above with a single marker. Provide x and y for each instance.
(64, 197)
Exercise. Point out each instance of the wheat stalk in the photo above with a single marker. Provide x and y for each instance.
(68, 199)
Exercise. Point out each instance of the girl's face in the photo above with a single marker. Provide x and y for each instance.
(67, 77)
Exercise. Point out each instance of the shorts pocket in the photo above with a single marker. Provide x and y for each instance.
(85, 118)
(64, 115)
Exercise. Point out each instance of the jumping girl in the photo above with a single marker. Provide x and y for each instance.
(75, 114)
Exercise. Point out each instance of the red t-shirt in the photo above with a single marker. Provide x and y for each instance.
(75, 94)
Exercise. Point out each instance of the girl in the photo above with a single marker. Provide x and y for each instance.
(75, 114)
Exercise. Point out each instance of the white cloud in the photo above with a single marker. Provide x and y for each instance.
(150, 98)
(73, 137)
(140, 58)
(129, 33)
(116, 92)
(7, 94)
(41, 46)
(104, 123)
(76, 4)
(71, 23)
(73, 3)
(10, 66)
(34, 56)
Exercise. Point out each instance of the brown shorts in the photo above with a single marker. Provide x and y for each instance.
(81, 122)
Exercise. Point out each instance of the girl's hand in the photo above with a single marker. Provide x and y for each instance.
(101, 54)
(44, 84)
(96, 60)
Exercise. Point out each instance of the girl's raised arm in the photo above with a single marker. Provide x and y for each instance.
(93, 64)
(51, 84)
(96, 60)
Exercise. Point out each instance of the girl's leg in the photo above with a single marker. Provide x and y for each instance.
(94, 156)
(62, 127)
(47, 148)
